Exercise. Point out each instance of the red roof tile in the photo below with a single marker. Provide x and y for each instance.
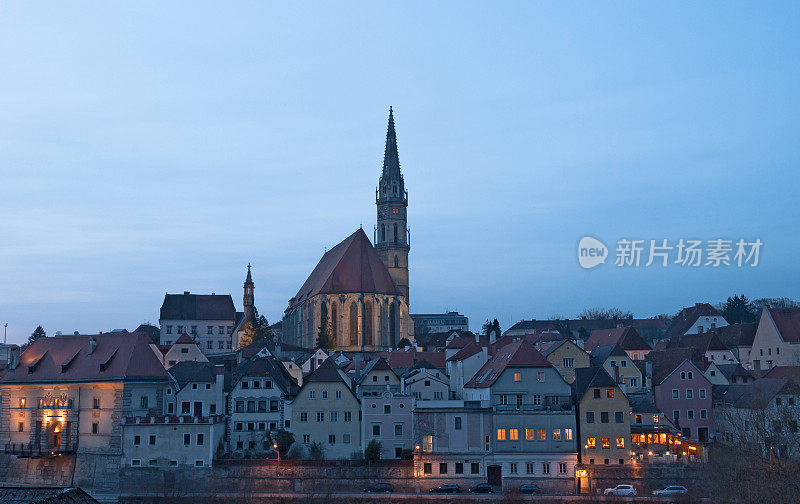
(351, 266)
(184, 339)
(627, 338)
(520, 353)
(788, 322)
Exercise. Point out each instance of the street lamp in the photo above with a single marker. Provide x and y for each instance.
(275, 447)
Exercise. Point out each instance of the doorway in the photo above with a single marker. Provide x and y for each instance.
(494, 475)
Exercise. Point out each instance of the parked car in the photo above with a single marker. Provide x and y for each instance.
(529, 488)
(380, 488)
(620, 490)
(446, 488)
(671, 490)
(482, 488)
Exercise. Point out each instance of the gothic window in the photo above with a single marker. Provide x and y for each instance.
(310, 322)
(353, 324)
(367, 337)
(383, 232)
(396, 262)
(395, 232)
(334, 319)
(393, 324)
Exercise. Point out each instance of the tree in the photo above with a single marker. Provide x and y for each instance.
(739, 310)
(325, 338)
(612, 314)
(36, 334)
(256, 330)
(496, 327)
(316, 451)
(373, 451)
(285, 440)
(403, 343)
(489, 326)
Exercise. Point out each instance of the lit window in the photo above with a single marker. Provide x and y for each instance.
(606, 442)
(513, 434)
(590, 442)
(540, 376)
(556, 434)
(610, 393)
(529, 434)
(568, 434)
(620, 442)
(517, 377)
(501, 434)
(542, 434)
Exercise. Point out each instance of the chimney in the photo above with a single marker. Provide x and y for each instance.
(185, 293)
(92, 344)
(477, 338)
(492, 336)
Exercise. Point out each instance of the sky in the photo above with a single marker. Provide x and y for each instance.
(151, 147)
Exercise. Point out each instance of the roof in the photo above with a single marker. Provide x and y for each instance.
(758, 394)
(404, 359)
(733, 370)
(464, 339)
(686, 318)
(44, 495)
(705, 342)
(326, 372)
(184, 339)
(792, 372)
(520, 353)
(189, 306)
(787, 320)
(439, 339)
(262, 367)
(627, 338)
(193, 371)
(151, 330)
(666, 361)
(378, 364)
(603, 352)
(116, 356)
(736, 334)
(351, 266)
(642, 403)
(391, 161)
(592, 376)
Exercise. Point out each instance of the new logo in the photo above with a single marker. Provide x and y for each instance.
(591, 252)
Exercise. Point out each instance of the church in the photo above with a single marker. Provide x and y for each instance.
(361, 289)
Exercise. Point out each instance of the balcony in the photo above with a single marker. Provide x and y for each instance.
(41, 449)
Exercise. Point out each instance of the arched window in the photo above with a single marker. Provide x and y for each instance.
(383, 232)
(395, 232)
(353, 324)
(396, 262)
(310, 321)
(334, 319)
(367, 336)
(393, 324)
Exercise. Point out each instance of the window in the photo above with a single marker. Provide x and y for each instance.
(604, 417)
(513, 467)
(194, 330)
(169, 329)
(675, 393)
(537, 400)
(596, 393)
(503, 400)
(703, 414)
(331, 438)
(606, 442)
(689, 394)
(556, 434)
(187, 439)
(474, 468)
(221, 344)
(530, 434)
(334, 416)
(320, 416)
(95, 403)
(95, 427)
(324, 394)
(690, 414)
(239, 425)
(590, 417)
(545, 467)
(348, 416)
(199, 463)
(618, 417)
(427, 444)
(620, 442)
(702, 393)
(257, 384)
(541, 434)
(303, 416)
(21, 427)
(143, 402)
(376, 430)
(427, 468)
(519, 401)
(210, 329)
(623, 363)
(136, 462)
(638, 419)
(387, 409)
(200, 439)
(501, 434)
(186, 407)
(676, 415)
(442, 467)
(540, 376)
(306, 438)
(568, 434)
(152, 440)
(338, 394)
(262, 406)
(590, 442)
(180, 329)
(517, 376)
(513, 434)
(613, 363)
(398, 430)
(458, 423)
(568, 363)
(312, 394)
(529, 468)
(634, 382)
(656, 419)
(610, 393)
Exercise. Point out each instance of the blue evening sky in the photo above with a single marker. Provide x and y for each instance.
(153, 147)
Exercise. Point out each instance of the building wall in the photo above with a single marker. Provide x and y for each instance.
(170, 333)
(399, 416)
(249, 430)
(769, 349)
(432, 323)
(347, 433)
(181, 353)
(566, 351)
(668, 404)
(164, 444)
(627, 371)
(425, 386)
(706, 323)
(610, 419)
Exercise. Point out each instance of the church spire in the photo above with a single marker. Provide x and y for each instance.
(249, 288)
(391, 161)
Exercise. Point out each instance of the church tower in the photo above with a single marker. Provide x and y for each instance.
(392, 237)
(249, 287)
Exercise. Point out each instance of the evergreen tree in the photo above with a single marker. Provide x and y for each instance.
(256, 330)
(739, 310)
(325, 338)
(373, 451)
(37, 333)
(403, 343)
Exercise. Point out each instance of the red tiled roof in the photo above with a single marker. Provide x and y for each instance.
(519, 353)
(687, 317)
(117, 356)
(736, 334)
(184, 339)
(626, 337)
(707, 341)
(788, 322)
(403, 359)
(792, 372)
(351, 266)
(189, 306)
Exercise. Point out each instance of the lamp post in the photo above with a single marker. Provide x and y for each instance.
(278, 467)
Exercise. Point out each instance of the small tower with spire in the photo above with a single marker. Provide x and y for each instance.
(392, 237)
(249, 288)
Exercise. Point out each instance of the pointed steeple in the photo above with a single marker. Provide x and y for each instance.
(249, 279)
(249, 290)
(391, 160)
